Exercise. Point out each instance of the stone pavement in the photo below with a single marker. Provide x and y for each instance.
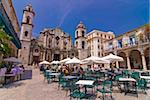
(34, 89)
(37, 89)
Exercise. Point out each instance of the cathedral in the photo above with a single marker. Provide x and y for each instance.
(52, 44)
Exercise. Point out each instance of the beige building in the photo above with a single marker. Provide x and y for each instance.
(133, 46)
(9, 21)
(95, 40)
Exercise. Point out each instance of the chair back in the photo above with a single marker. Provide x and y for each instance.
(107, 85)
(142, 83)
(135, 75)
(126, 73)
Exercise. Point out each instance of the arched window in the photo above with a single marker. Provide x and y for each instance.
(77, 34)
(26, 33)
(29, 9)
(76, 43)
(83, 33)
(83, 43)
(36, 50)
(28, 19)
(98, 46)
(99, 54)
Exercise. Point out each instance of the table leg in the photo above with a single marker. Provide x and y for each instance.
(85, 89)
(126, 87)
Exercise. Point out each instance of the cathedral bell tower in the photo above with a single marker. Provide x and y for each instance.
(80, 40)
(26, 34)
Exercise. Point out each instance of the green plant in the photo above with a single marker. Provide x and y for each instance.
(4, 40)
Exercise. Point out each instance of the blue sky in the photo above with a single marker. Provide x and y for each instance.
(118, 16)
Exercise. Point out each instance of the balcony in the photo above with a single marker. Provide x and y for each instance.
(129, 45)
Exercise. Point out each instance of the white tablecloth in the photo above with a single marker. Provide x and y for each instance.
(54, 74)
(85, 82)
(127, 79)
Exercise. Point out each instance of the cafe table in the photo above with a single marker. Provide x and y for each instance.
(50, 71)
(85, 83)
(69, 77)
(145, 77)
(54, 74)
(127, 82)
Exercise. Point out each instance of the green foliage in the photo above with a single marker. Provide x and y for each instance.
(4, 39)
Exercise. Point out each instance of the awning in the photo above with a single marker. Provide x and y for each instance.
(10, 31)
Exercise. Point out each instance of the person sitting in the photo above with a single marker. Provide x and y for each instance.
(81, 72)
(76, 70)
(66, 72)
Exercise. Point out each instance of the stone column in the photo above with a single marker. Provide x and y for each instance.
(143, 62)
(43, 55)
(128, 62)
(117, 64)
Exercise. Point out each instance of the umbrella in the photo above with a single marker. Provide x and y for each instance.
(44, 62)
(74, 61)
(65, 60)
(12, 59)
(95, 59)
(112, 58)
(55, 62)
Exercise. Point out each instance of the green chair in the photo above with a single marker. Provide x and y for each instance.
(62, 81)
(116, 81)
(76, 93)
(126, 73)
(106, 88)
(141, 85)
(135, 75)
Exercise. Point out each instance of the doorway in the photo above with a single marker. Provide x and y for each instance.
(56, 57)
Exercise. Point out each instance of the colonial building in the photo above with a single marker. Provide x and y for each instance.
(133, 46)
(95, 40)
(9, 21)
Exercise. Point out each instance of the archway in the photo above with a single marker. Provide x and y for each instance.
(135, 59)
(123, 64)
(147, 58)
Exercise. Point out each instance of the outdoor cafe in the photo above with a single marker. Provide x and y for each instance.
(86, 82)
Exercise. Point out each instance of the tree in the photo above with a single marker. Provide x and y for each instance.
(4, 40)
